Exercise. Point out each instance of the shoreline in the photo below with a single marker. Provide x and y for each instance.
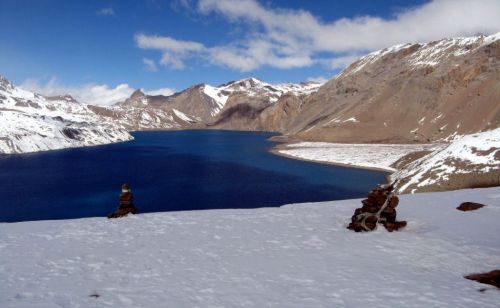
(387, 155)
(276, 151)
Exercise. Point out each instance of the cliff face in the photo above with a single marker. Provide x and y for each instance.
(408, 93)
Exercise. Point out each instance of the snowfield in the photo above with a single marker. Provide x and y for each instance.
(377, 156)
(298, 255)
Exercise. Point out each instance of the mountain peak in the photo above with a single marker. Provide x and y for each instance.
(66, 97)
(137, 94)
(4, 83)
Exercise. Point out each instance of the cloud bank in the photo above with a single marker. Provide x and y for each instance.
(94, 94)
(285, 38)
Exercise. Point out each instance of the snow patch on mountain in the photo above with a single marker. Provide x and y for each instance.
(471, 154)
(185, 117)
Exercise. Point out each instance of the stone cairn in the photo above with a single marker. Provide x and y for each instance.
(378, 207)
(126, 203)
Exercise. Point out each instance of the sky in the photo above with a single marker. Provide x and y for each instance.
(100, 51)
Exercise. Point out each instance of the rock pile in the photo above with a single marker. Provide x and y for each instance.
(126, 203)
(378, 207)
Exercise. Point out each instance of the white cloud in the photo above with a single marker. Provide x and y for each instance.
(340, 61)
(173, 51)
(430, 21)
(161, 91)
(106, 12)
(285, 38)
(94, 94)
(318, 79)
(149, 65)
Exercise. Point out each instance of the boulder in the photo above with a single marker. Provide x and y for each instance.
(492, 278)
(469, 206)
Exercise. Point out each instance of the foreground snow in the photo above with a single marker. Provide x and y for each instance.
(378, 156)
(294, 256)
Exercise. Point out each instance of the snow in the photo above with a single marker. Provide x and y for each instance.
(477, 153)
(181, 115)
(352, 119)
(30, 122)
(297, 255)
(378, 156)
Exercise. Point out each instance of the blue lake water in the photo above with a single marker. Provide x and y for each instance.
(169, 171)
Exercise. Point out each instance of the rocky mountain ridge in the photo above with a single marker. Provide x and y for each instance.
(408, 93)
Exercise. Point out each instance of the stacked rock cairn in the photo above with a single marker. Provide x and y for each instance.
(126, 203)
(378, 207)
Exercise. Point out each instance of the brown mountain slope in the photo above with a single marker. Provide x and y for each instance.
(408, 93)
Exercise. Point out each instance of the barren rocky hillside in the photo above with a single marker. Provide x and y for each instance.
(409, 93)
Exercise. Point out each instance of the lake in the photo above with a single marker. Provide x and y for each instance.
(170, 171)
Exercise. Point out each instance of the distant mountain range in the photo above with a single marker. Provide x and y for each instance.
(411, 93)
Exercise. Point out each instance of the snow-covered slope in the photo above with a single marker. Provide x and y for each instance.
(254, 87)
(473, 159)
(294, 256)
(30, 122)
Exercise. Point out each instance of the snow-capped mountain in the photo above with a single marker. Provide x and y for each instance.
(30, 122)
(203, 104)
(469, 161)
(253, 87)
(33, 122)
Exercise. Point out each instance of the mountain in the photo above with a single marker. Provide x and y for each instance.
(31, 122)
(251, 104)
(205, 105)
(408, 93)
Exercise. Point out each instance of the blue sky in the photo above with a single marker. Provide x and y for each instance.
(75, 46)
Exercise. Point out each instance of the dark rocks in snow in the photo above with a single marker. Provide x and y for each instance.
(71, 133)
(470, 206)
(378, 207)
(492, 278)
(126, 203)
